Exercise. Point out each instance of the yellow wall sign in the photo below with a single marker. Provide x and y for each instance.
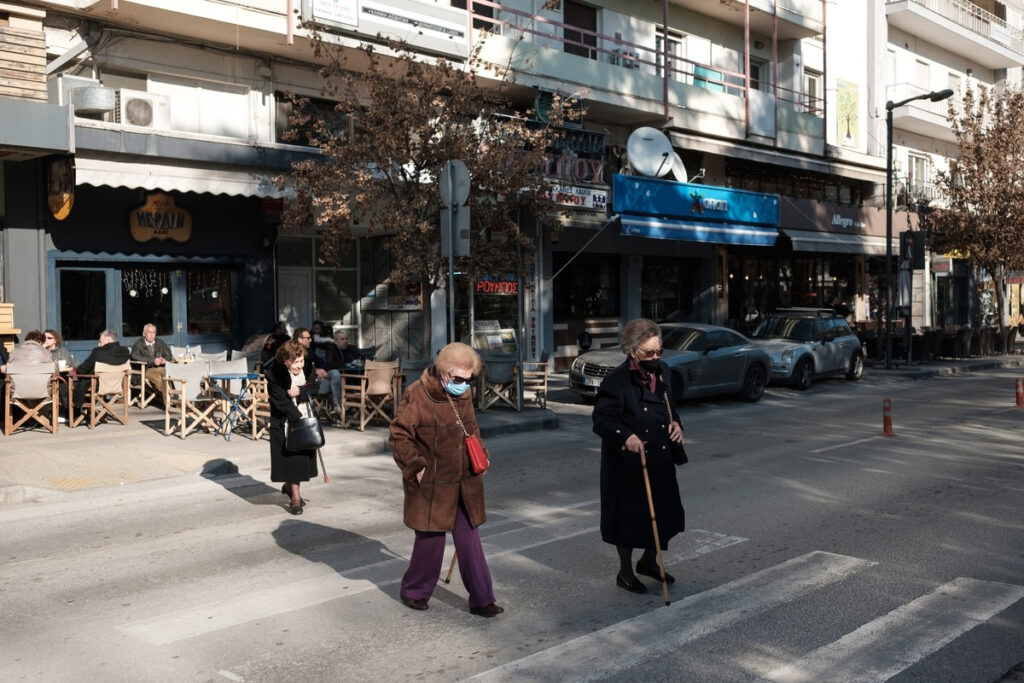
(160, 219)
(60, 187)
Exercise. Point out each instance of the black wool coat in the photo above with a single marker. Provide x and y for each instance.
(286, 465)
(625, 406)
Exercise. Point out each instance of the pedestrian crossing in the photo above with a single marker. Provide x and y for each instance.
(876, 650)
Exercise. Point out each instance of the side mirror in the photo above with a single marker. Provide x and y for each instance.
(711, 347)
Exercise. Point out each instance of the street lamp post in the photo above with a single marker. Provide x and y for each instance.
(934, 96)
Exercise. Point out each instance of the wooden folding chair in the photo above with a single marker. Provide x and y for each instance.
(535, 380)
(258, 407)
(188, 399)
(383, 387)
(500, 381)
(109, 393)
(32, 390)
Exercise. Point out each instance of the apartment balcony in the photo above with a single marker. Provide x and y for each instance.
(923, 117)
(961, 27)
(792, 19)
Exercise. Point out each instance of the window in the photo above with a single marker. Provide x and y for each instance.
(675, 55)
(813, 92)
(668, 288)
(589, 286)
(580, 42)
(919, 177)
(83, 303)
(303, 134)
(478, 11)
(145, 298)
(760, 75)
(208, 301)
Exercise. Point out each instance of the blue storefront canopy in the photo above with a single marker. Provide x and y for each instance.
(695, 231)
(663, 209)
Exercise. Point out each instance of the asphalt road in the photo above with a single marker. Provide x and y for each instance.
(816, 550)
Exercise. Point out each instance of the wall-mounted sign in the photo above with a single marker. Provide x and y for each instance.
(488, 286)
(60, 187)
(160, 219)
(581, 197)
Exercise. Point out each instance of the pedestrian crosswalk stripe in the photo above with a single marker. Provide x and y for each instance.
(886, 646)
(619, 646)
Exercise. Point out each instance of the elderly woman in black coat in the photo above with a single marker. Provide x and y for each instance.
(287, 387)
(633, 411)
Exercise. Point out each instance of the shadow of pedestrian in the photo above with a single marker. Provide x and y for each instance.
(225, 473)
(357, 559)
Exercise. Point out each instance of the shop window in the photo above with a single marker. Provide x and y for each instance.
(83, 303)
(145, 298)
(667, 290)
(587, 287)
(208, 297)
(335, 296)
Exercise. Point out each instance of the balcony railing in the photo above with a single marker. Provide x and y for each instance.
(975, 19)
(619, 51)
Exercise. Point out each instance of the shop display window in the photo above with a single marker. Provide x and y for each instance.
(145, 298)
(83, 303)
(208, 295)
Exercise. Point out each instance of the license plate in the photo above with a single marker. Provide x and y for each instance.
(592, 381)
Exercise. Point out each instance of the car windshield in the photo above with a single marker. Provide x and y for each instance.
(682, 339)
(785, 327)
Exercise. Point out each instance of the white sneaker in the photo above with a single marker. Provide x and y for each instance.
(62, 420)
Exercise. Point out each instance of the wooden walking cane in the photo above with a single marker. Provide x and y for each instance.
(455, 556)
(322, 468)
(654, 522)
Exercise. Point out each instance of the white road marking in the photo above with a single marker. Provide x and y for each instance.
(615, 648)
(844, 445)
(886, 646)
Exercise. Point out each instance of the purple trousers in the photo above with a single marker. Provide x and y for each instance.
(428, 553)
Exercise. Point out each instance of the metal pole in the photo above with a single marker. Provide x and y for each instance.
(453, 209)
(888, 235)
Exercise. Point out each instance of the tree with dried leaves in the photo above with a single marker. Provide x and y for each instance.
(983, 217)
(398, 119)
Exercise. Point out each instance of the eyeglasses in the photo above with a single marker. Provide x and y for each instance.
(647, 354)
(455, 379)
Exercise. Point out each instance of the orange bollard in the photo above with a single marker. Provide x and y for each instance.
(1020, 392)
(887, 417)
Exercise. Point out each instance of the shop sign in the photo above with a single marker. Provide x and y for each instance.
(501, 287)
(160, 219)
(576, 169)
(579, 197)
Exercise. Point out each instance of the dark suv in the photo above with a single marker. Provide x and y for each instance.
(805, 343)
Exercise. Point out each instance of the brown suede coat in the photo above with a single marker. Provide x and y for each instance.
(426, 435)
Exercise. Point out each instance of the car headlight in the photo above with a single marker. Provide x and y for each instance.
(788, 355)
(577, 365)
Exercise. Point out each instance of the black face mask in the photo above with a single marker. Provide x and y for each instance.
(651, 365)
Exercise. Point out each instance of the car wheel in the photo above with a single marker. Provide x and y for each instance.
(803, 374)
(856, 369)
(754, 383)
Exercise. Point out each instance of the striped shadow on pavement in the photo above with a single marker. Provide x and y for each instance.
(620, 646)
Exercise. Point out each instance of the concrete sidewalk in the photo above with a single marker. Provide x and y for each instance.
(39, 466)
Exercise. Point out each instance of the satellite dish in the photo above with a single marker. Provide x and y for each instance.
(678, 169)
(650, 152)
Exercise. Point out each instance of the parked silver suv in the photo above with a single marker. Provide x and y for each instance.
(805, 343)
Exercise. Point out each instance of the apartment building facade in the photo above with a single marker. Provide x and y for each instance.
(174, 121)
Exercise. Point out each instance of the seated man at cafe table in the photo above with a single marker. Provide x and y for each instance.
(155, 353)
(315, 368)
(109, 351)
(340, 358)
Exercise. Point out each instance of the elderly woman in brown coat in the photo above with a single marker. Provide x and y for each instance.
(442, 493)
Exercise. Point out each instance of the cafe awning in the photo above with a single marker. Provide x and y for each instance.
(698, 231)
(812, 240)
(238, 181)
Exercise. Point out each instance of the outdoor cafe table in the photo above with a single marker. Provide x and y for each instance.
(235, 411)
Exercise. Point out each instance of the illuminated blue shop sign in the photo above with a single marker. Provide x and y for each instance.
(663, 209)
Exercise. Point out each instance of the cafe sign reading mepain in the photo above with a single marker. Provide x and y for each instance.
(160, 219)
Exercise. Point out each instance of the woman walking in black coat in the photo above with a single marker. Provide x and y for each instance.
(631, 413)
(287, 387)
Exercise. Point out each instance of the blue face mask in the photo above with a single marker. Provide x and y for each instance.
(456, 389)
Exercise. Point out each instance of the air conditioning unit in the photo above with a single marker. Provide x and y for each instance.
(143, 109)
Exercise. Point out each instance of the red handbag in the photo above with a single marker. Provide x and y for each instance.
(478, 460)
